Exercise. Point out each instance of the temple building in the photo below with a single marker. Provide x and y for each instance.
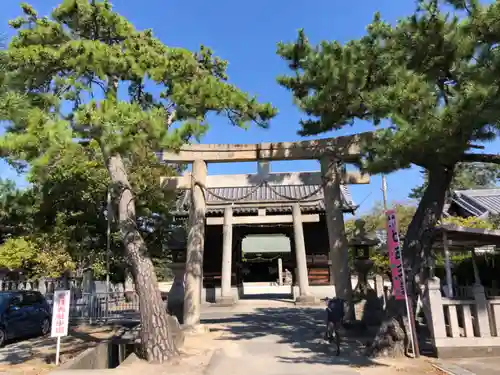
(476, 202)
(287, 227)
(263, 256)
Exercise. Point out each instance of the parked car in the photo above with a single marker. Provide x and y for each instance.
(23, 314)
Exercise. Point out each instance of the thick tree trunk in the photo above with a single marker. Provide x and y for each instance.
(156, 337)
(393, 335)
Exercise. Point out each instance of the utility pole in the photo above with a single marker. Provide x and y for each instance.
(384, 191)
(108, 247)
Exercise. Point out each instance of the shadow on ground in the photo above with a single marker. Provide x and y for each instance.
(301, 329)
(286, 298)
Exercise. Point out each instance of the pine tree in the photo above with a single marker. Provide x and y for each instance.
(430, 83)
(91, 77)
(466, 176)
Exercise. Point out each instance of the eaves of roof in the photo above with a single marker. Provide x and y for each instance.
(478, 202)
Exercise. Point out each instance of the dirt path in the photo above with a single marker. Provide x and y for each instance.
(419, 366)
(289, 342)
(279, 339)
(274, 340)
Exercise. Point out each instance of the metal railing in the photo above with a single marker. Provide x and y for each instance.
(98, 307)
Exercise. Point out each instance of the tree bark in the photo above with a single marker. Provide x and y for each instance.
(156, 337)
(393, 335)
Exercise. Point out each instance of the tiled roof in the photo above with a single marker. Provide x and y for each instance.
(478, 202)
(312, 195)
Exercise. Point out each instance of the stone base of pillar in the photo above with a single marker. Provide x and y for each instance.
(306, 301)
(197, 329)
(226, 301)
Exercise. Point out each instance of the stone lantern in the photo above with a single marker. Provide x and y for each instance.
(175, 297)
(361, 242)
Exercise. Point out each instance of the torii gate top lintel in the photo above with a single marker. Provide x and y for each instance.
(346, 148)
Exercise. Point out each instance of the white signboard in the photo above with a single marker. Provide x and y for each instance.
(60, 313)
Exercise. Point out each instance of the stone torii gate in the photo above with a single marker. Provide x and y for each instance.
(331, 152)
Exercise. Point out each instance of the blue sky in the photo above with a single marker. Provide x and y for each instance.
(245, 34)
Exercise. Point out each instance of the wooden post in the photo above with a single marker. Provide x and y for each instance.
(280, 271)
(379, 288)
(195, 247)
(477, 278)
(227, 252)
(447, 266)
(300, 255)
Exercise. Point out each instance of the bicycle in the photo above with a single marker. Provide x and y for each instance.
(334, 316)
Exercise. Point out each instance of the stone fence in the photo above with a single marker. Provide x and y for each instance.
(463, 326)
(45, 286)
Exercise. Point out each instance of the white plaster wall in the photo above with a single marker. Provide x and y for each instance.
(318, 291)
(253, 289)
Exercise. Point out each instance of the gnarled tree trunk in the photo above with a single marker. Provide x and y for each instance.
(393, 335)
(156, 337)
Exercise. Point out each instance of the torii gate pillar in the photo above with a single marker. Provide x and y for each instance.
(331, 171)
(195, 247)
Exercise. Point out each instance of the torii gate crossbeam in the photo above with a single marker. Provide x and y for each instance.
(345, 148)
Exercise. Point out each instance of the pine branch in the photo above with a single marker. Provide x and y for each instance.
(481, 158)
